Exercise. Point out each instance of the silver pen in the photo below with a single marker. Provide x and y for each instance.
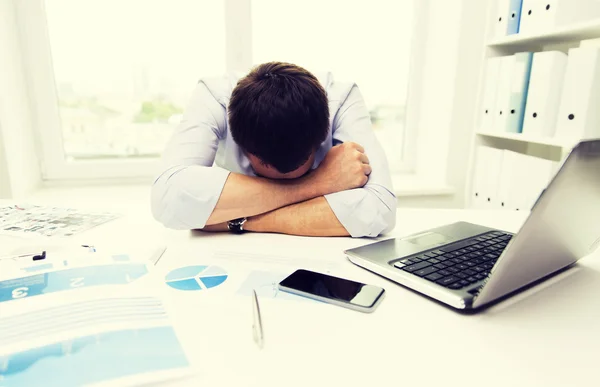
(257, 321)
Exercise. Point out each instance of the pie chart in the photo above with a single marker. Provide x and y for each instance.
(196, 277)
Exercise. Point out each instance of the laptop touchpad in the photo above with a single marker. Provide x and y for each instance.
(428, 239)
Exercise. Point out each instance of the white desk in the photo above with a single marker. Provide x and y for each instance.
(546, 336)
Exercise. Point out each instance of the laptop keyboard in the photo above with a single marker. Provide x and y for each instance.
(460, 264)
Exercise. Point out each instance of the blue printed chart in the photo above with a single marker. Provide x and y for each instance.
(68, 279)
(139, 340)
(196, 277)
(94, 359)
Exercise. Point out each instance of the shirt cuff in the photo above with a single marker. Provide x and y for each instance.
(359, 211)
(189, 196)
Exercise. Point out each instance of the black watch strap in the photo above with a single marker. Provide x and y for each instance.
(236, 226)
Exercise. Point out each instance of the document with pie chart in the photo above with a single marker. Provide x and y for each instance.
(196, 277)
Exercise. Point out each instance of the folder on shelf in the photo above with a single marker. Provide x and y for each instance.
(535, 175)
(509, 174)
(522, 180)
(530, 17)
(589, 43)
(503, 92)
(486, 179)
(490, 87)
(545, 87)
(522, 184)
(564, 12)
(539, 16)
(579, 115)
(501, 19)
(514, 17)
(484, 191)
(478, 179)
(492, 181)
(520, 74)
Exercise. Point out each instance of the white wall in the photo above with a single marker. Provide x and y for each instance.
(470, 63)
(454, 56)
(439, 70)
(5, 186)
(22, 174)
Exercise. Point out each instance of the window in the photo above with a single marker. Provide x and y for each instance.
(110, 78)
(367, 42)
(124, 70)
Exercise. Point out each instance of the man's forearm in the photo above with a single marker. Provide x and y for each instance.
(246, 196)
(310, 218)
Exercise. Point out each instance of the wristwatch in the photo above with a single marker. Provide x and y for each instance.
(236, 226)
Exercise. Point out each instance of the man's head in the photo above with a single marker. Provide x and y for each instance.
(279, 115)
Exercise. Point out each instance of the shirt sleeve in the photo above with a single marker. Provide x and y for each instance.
(371, 210)
(186, 192)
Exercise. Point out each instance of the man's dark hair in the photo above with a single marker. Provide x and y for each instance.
(279, 113)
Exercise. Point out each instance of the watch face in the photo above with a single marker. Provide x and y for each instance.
(238, 222)
(236, 225)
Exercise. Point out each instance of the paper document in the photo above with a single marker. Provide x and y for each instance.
(70, 269)
(112, 341)
(281, 260)
(85, 316)
(20, 220)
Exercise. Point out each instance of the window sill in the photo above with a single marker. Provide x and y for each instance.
(405, 185)
(413, 185)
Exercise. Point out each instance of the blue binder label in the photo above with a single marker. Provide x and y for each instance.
(514, 17)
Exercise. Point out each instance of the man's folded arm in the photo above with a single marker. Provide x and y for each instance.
(194, 197)
(358, 213)
(361, 212)
(312, 217)
(371, 210)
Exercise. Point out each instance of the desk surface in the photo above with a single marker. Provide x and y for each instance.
(546, 336)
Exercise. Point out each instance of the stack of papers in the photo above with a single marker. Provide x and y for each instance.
(30, 220)
(105, 324)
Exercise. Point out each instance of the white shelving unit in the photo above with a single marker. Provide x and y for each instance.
(524, 138)
(562, 38)
(572, 33)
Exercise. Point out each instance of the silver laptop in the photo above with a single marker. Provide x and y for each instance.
(468, 266)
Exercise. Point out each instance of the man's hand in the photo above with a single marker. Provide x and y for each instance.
(345, 167)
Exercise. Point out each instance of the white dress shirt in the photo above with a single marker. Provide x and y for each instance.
(202, 153)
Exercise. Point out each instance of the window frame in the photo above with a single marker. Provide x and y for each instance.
(415, 85)
(37, 58)
(35, 44)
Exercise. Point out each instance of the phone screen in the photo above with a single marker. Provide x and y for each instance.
(330, 287)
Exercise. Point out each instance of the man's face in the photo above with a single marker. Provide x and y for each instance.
(270, 172)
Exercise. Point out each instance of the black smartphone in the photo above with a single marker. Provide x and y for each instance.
(334, 290)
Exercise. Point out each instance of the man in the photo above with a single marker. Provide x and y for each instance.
(277, 151)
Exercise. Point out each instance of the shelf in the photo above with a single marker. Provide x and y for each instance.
(547, 141)
(572, 33)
